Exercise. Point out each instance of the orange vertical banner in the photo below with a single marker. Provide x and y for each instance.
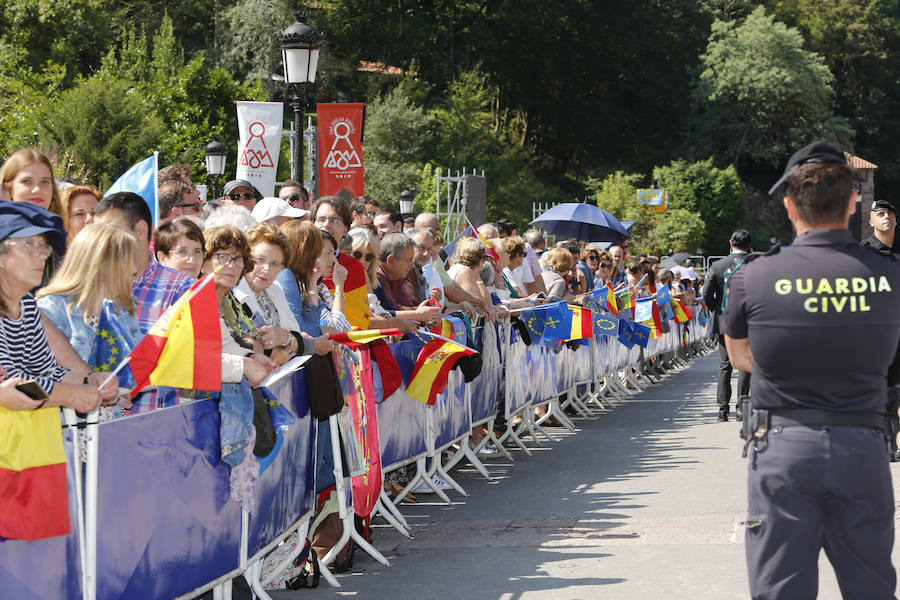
(340, 134)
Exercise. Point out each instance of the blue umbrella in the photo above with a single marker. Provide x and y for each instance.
(581, 222)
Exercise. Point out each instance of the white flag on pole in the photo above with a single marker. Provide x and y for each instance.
(259, 127)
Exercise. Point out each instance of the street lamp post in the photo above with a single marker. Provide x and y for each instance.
(216, 153)
(407, 202)
(300, 53)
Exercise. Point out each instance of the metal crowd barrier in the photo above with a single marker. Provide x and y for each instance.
(166, 527)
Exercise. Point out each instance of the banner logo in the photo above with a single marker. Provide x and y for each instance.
(340, 146)
(259, 128)
(256, 158)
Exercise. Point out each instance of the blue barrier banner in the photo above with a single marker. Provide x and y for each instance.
(47, 569)
(286, 490)
(484, 391)
(451, 413)
(166, 523)
(402, 420)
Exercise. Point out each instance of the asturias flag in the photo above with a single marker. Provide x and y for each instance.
(141, 179)
(664, 300)
(557, 322)
(183, 349)
(433, 365)
(33, 491)
(111, 346)
(640, 333)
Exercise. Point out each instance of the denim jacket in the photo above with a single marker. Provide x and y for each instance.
(70, 320)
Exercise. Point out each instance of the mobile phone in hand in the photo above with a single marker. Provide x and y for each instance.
(32, 389)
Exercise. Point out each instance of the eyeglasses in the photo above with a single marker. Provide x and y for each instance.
(370, 213)
(196, 254)
(593, 257)
(242, 195)
(359, 256)
(423, 247)
(225, 259)
(327, 220)
(293, 198)
(197, 206)
(604, 266)
(275, 265)
(33, 246)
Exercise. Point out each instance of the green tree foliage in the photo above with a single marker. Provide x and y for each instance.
(105, 124)
(679, 229)
(860, 41)
(397, 135)
(251, 49)
(759, 95)
(714, 195)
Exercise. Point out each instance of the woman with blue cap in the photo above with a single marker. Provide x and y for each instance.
(28, 233)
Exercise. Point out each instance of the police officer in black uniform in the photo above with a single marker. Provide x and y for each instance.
(817, 325)
(883, 219)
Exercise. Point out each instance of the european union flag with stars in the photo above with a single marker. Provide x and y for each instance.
(111, 346)
(605, 324)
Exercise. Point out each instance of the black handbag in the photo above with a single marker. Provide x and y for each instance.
(323, 388)
(266, 436)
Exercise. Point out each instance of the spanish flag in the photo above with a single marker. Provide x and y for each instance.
(34, 499)
(647, 312)
(582, 323)
(433, 365)
(380, 352)
(444, 328)
(356, 295)
(183, 349)
(354, 339)
(682, 314)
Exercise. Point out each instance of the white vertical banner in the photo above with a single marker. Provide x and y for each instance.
(259, 128)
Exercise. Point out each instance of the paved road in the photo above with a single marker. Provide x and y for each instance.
(647, 501)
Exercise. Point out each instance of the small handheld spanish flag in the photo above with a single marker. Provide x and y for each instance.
(433, 364)
(183, 349)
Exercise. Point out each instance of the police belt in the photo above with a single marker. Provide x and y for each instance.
(811, 417)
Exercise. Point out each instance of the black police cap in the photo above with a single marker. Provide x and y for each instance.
(883, 205)
(817, 152)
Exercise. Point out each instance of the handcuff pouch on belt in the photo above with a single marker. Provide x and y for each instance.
(755, 428)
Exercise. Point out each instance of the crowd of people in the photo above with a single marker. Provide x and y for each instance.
(288, 271)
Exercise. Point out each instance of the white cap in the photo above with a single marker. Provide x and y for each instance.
(690, 273)
(271, 207)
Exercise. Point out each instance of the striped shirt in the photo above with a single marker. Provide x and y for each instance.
(24, 351)
(156, 289)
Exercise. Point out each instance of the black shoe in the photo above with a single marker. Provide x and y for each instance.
(895, 456)
(739, 417)
(723, 417)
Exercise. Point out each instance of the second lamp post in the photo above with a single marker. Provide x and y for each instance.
(300, 52)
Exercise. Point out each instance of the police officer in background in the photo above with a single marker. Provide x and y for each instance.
(883, 240)
(713, 293)
(817, 325)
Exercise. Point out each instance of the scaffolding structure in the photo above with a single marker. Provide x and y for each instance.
(454, 188)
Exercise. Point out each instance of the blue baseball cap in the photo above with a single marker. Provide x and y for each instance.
(24, 219)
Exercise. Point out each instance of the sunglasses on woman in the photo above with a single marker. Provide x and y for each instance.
(358, 255)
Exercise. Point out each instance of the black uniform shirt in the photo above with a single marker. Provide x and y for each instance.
(873, 243)
(823, 323)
